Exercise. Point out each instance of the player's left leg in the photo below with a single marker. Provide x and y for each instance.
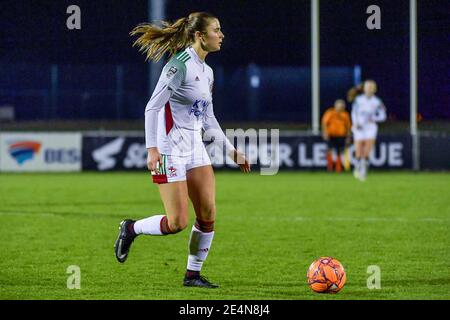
(368, 146)
(201, 188)
(369, 141)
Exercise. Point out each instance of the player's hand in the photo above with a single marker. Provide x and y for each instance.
(153, 157)
(241, 161)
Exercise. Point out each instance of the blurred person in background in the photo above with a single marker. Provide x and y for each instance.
(367, 111)
(180, 107)
(336, 130)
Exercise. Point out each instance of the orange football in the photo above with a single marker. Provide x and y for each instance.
(326, 275)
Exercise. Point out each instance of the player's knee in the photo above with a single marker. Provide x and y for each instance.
(178, 224)
(176, 227)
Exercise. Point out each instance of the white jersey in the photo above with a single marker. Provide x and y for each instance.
(367, 111)
(181, 105)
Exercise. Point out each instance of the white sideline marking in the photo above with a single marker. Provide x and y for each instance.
(272, 218)
(365, 219)
(12, 213)
(374, 219)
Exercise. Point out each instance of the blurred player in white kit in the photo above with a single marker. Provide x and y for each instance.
(367, 111)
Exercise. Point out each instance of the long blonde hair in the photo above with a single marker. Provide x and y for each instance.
(155, 41)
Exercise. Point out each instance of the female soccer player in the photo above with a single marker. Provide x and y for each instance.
(180, 107)
(367, 110)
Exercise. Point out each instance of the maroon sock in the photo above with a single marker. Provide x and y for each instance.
(164, 225)
(204, 226)
(192, 274)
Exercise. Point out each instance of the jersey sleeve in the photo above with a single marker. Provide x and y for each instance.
(172, 76)
(354, 114)
(212, 126)
(213, 129)
(380, 112)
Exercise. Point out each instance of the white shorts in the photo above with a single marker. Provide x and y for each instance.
(174, 168)
(366, 133)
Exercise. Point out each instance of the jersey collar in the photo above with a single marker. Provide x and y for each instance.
(196, 57)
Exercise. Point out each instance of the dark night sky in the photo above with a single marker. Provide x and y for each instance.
(259, 31)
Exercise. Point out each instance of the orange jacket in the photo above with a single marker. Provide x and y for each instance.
(336, 124)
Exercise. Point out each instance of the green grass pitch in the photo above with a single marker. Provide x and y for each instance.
(268, 231)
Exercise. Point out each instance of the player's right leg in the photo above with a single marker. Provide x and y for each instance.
(174, 194)
(362, 162)
(359, 146)
(175, 198)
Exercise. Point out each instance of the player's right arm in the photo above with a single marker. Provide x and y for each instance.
(348, 128)
(354, 115)
(170, 80)
(354, 92)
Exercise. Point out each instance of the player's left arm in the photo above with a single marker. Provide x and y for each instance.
(380, 113)
(214, 131)
(348, 128)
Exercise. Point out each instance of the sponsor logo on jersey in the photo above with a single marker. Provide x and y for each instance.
(199, 108)
(22, 151)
